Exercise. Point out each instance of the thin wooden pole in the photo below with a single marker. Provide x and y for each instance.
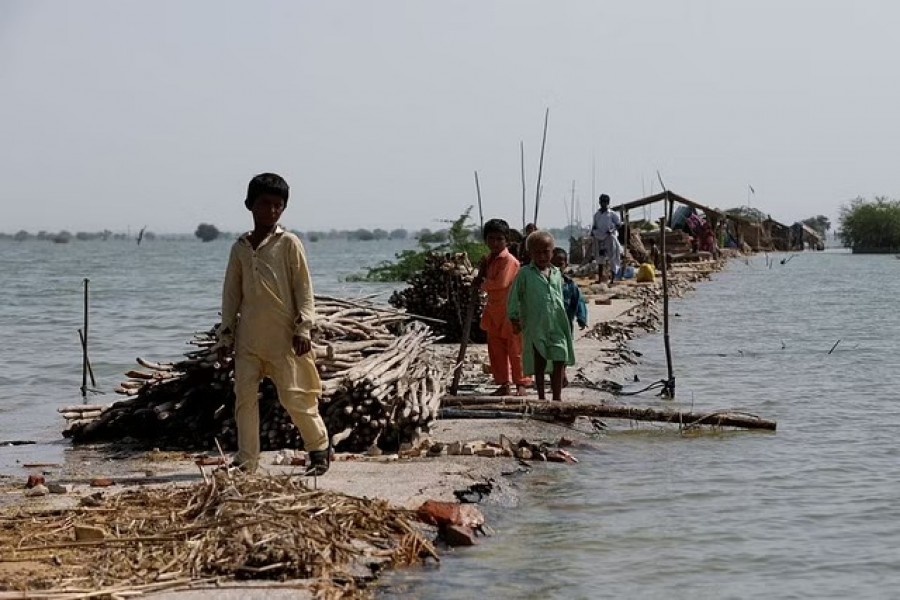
(522, 162)
(668, 390)
(480, 209)
(89, 368)
(464, 342)
(572, 213)
(537, 194)
(84, 342)
(627, 231)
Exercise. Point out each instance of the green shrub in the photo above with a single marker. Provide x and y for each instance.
(871, 226)
(461, 237)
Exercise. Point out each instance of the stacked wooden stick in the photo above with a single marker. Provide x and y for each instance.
(381, 385)
(442, 290)
(387, 398)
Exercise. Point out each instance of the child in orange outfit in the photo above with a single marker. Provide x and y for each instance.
(496, 274)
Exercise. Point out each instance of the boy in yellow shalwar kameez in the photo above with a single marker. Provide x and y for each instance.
(536, 309)
(267, 315)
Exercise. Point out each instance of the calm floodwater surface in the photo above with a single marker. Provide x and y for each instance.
(145, 301)
(808, 512)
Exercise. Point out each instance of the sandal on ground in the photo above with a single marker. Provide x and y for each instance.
(319, 462)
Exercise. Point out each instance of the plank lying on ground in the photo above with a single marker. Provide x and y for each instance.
(567, 410)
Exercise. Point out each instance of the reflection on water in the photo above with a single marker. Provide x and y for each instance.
(808, 512)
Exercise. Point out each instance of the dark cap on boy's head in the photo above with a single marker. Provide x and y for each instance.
(604, 198)
(266, 183)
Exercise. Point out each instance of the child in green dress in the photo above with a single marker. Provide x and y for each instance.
(536, 309)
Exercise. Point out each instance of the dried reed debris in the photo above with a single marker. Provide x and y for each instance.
(231, 526)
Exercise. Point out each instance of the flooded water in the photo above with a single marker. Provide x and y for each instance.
(808, 512)
(145, 301)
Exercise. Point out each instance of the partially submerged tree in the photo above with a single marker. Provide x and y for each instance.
(820, 223)
(871, 226)
(207, 232)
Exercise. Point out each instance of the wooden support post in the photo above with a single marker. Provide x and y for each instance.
(90, 369)
(464, 342)
(627, 234)
(84, 342)
(668, 390)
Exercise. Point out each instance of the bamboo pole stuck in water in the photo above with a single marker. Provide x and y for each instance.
(85, 362)
(88, 360)
(668, 390)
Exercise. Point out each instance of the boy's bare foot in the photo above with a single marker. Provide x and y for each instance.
(503, 390)
(520, 390)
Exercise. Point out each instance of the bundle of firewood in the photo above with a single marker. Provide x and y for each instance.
(381, 385)
(441, 291)
(387, 398)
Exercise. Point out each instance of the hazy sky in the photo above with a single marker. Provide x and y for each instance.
(118, 114)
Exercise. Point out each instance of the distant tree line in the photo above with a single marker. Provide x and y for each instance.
(871, 226)
(208, 232)
(357, 235)
(64, 235)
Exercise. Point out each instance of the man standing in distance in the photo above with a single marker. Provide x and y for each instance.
(606, 239)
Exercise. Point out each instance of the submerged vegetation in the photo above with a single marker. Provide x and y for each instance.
(871, 226)
(207, 232)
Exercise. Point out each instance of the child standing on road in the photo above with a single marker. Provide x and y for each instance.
(267, 315)
(536, 309)
(573, 299)
(496, 274)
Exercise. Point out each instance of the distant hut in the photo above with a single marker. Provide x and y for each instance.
(779, 235)
(803, 236)
(696, 231)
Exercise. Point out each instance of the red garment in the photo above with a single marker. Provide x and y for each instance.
(504, 346)
(707, 239)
